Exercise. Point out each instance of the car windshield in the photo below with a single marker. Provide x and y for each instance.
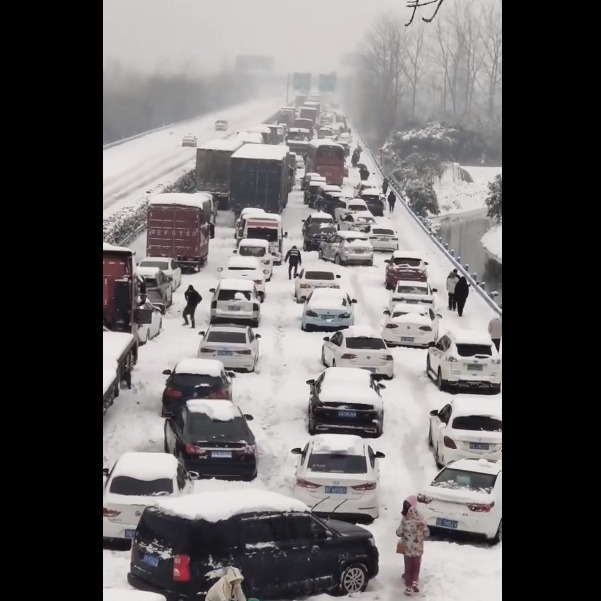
(196, 381)
(236, 268)
(200, 427)
(470, 350)
(160, 264)
(382, 232)
(356, 207)
(404, 261)
(252, 251)
(319, 275)
(125, 485)
(412, 289)
(321, 220)
(364, 342)
(263, 233)
(151, 283)
(234, 337)
(230, 295)
(456, 479)
(337, 464)
(477, 423)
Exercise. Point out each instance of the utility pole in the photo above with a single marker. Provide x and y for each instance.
(287, 87)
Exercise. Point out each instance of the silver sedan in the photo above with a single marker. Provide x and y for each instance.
(236, 346)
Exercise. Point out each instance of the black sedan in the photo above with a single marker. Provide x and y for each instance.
(213, 439)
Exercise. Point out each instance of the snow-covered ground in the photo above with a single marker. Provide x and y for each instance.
(277, 397)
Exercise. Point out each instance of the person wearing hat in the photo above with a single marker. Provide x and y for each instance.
(452, 280)
(228, 587)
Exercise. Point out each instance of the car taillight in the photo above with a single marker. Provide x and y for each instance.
(249, 449)
(173, 393)
(366, 486)
(109, 513)
(207, 350)
(306, 484)
(496, 361)
(219, 394)
(311, 314)
(245, 352)
(255, 307)
(423, 499)
(391, 326)
(191, 449)
(425, 328)
(449, 443)
(214, 304)
(348, 356)
(181, 568)
(344, 315)
(486, 507)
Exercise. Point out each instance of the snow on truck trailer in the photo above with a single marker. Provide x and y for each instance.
(179, 226)
(119, 355)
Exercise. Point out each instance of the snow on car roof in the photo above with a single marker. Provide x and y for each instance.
(200, 367)
(254, 242)
(338, 443)
(353, 235)
(267, 152)
(357, 202)
(218, 411)
(409, 308)
(474, 406)
(299, 130)
(246, 262)
(114, 344)
(462, 336)
(360, 332)
(333, 188)
(112, 247)
(217, 506)
(371, 191)
(273, 216)
(248, 211)
(235, 284)
(327, 298)
(317, 182)
(109, 375)
(411, 283)
(146, 466)
(264, 129)
(318, 143)
(147, 271)
(348, 384)
(478, 465)
(312, 175)
(222, 144)
(321, 215)
(177, 198)
(407, 254)
(229, 327)
(123, 594)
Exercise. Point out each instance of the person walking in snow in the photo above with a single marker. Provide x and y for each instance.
(363, 173)
(228, 587)
(494, 329)
(193, 299)
(462, 289)
(294, 259)
(385, 185)
(391, 201)
(412, 532)
(452, 280)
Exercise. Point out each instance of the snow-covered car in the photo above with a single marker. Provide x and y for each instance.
(235, 300)
(410, 325)
(358, 346)
(465, 496)
(405, 265)
(259, 249)
(168, 266)
(317, 218)
(135, 480)
(384, 237)
(311, 278)
(466, 427)
(413, 293)
(351, 205)
(345, 248)
(339, 474)
(148, 331)
(221, 125)
(465, 358)
(158, 287)
(189, 140)
(364, 185)
(374, 199)
(346, 399)
(307, 178)
(235, 345)
(246, 268)
(245, 214)
(329, 188)
(328, 309)
(357, 222)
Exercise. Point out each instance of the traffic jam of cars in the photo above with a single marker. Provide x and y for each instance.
(206, 435)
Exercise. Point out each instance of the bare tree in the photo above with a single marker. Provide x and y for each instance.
(449, 58)
(414, 62)
(492, 44)
(468, 27)
(415, 4)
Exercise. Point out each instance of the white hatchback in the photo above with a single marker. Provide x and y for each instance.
(465, 496)
(135, 482)
(466, 427)
(413, 293)
(168, 266)
(310, 279)
(384, 237)
(259, 249)
(339, 474)
(148, 331)
(465, 358)
(235, 300)
(358, 346)
(235, 345)
(246, 268)
(410, 325)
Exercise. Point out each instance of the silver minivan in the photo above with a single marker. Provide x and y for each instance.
(235, 300)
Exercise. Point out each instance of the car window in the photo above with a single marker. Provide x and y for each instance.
(470, 350)
(306, 527)
(319, 275)
(457, 479)
(201, 428)
(196, 381)
(126, 485)
(477, 423)
(257, 530)
(225, 336)
(331, 463)
(363, 342)
(444, 414)
(230, 295)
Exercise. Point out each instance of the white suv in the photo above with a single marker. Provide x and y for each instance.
(465, 358)
(235, 301)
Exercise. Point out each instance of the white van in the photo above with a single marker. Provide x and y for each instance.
(267, 226)
(244, 215)
(235, 301)
(255, 247)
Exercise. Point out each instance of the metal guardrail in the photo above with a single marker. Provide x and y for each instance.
(474, 285)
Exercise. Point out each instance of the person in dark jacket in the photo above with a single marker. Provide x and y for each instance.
(462, 289)
(294, 259)
(363, 173)
(355, 158)
(391, 201)
(385, 185)
(193, 299)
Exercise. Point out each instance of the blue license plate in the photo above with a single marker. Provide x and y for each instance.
(129, 533)
(150, 560)
(407, 339)
(225, 353)
(474, 367)
(444, 523)
(481, 446)
(335, 490)
(221, 454)
(327, 317)
(347, 414)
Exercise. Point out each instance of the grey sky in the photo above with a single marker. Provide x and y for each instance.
(302, 35)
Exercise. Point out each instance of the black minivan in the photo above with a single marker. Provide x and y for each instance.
(281, 548)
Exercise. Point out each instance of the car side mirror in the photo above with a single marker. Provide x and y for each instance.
(434, 412)
(338, 276)
(431, 344)
(194, 475)
(386, 260)
(380, 455)
(354, 300)
(105, 471)
(297, 451)
(231, 374)
(434, 289)
(311, 382)
(257, 335)
(201, 333)
(387, 312)
(426, 263)
(248, 417)
(166, 372)
(326, 339)
(439, 315)
(211, 289)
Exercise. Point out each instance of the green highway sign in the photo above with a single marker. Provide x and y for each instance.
(301, 82)
(327, 82)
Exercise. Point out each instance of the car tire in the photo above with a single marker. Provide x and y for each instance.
(499, 535)
(320, 255)
(430, 441)
(442, 385)
(353, 579)
(428, 366)
(323, 359)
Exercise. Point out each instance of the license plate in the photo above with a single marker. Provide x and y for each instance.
(225, 353)
(221, 454)
(347, 414)
(410, 301)
(327, 317)
(474, 367)
(482, 446)
(407, 339)
(444, 523)
(129, 533)
(335, 490)
(150, 560)
(234, 308)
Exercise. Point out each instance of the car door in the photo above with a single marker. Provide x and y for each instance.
(328, 248)
(333, 347)
(440, 423)
(297, 283)
(435, 353)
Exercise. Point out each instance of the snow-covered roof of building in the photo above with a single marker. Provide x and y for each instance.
(360, 332)
(124, 594)
(267, 152)
(327, 298)
(236, 284)
(178, 198)
(464, 406)
(348, 384)
(109, 376)
(217, 506)
(146, 466)
(465, 336)
(114, 344)
(407, 254)
(201, 367)
(338, 443)
(112, 247)
(257, 242)
(245, 262)
(219, 411)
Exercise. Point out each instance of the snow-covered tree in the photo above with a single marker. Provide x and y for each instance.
(494, 200)
(422, 198)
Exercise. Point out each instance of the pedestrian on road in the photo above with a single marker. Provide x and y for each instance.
(462, 289)
(391, 201)
(228, 587)
(294, 259)
(452, 280)
(193, 299)
(411, 532)
(494, 329)
(385, 185)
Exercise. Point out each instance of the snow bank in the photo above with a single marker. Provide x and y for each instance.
(492, 242)
(123, 594)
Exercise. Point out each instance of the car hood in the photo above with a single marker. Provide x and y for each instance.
(347, 529)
